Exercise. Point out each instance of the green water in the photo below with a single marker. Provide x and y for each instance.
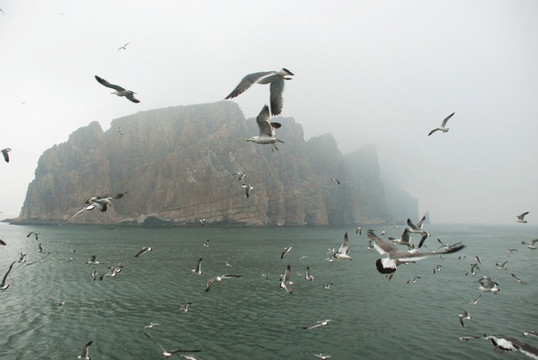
(252, 317)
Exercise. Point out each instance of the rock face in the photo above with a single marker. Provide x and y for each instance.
(177, 165)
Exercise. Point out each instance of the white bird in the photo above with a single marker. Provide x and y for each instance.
(322, 356)
(501, 266)
(119, 90)
(358, 230)
(308, 276)
(518, 279)
(418, 227)
(85, 355)
(100, 202)
(5, 153)
(247, 188)
(165, 353)
(185, 308)
(198, 268)
(142, 251)
(488, 285)
(275, 78)
(124, 47)
(151, 325)
(404, 240)
(219, 278)
(343, 251)
(464, 316)
(267, 130)
(335, 180)
(521, 218)
(3, 285)
(317, 324)
(285, 282)
(505, 343)
(286, 250)
(202, 221)
(475, 301)
(443, 127)
(397, 257)
(530, 245)
(414, 279)
(94, 274)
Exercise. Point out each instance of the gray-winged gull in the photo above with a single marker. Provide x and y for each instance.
(443, 127)
(267, 130)
(119, 90)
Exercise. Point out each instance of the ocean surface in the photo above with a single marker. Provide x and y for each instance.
(251, 317)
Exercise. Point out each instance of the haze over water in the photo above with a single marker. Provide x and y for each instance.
(251, 317)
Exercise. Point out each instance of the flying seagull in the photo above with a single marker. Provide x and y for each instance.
(530, 245)
(308, 276)
(404, 240)
(247, 188)
(518, 279)
(5, 153)
(198, 268)
(185, 308)
(124, 47)
(36, 234)
(3, 285)
(505, 343)
(488, 285)
(475, 301)
(119, 90)
(267, 130)
(335, 180)
(443, 127)
(219, 278)
(285, 282)
(397, 257)
(85, 355)
(275, 78)
(286, 250)
(317, 324)
(464, 316)
(342, 252)
(418, 226)
(414, 279)
(520, 218)
(2, 242)
(501, 266)
(142, 251)
(322, 356)
(100, 202)
(165, 353)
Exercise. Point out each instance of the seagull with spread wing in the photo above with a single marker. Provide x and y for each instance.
(267, 130)
(275, 78)
(443, 127)
(119, 90)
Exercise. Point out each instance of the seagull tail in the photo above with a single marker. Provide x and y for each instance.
(382, 269)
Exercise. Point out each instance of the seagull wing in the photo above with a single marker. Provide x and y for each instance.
(405, 235)
(520, 217)
(247, 82)
(5, 152)
(210, 283)
(277, 88)
(131, 97)
(344, 248)
(107, 84)
(85, 350)
(380, 245)
(7, 274)
(443, 124)
(155, 341)
(415, 256)
(263, 122)
(143, 250)
(412, 225)
(90, 207)
(421, 222)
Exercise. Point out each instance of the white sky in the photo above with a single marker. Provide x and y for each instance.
(383, 72)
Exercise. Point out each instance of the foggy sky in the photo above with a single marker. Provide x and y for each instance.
(382, 72)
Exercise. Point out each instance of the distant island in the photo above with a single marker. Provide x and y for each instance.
(177, 166)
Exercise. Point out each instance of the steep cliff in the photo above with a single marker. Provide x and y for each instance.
(177, 165)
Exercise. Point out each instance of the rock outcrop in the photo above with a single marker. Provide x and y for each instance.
(177, 166)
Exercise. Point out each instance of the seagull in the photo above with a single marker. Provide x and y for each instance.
(2, 242)
(468, 337)
(185, 308)
(85, 355)
(93, 261)
(447, 246)
(443, 127)
(22, 257)
(328, 286)
(437, 269)
(358, 230)
(397, 257)
(322, 356)
(475, 301)
(501, 266)
(308, 276)
(477, 259)
(520, 218)
(511, 251)
(404, 240)
(142, 251)
(531, 244)
(5, 153)
(285, 282)
(36, 234)
(518, 279)
(317, 324)
(3, 285)
(286, 250)
(335, 180)
(198, 268)
(464, 316)
(202, 221)
(530, 332)
(473, 267)
(114, 270)
(505, 343)
(275, 78)
(342, 252)
(228, 264)
(151, 325)
(267, 130)
(488, 285)
(124, 47)
(165, 353)
(219, 278)
(100, 202)
(414, 279)
(119, 90)
(247, 188)
(94, 274)
(240, 174)
(418, 226)
(206, 244)
(40, 249)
